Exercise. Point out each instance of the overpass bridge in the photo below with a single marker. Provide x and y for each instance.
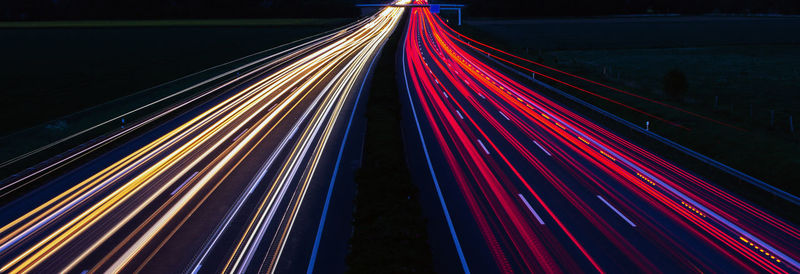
(411, 5)
(435, 8)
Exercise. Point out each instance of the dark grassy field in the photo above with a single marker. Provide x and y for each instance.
(50, 72)
(747, 81)
(744, 62)
(59, 80)
(639, 32)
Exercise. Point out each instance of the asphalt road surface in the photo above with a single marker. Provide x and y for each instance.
(514, 182)
(241, 183)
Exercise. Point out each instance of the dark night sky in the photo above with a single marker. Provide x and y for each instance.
(517, 8)
(149, 9)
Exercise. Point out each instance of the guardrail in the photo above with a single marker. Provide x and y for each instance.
(727, 169)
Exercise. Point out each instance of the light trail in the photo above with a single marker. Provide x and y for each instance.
(673, 220)
(118, 219)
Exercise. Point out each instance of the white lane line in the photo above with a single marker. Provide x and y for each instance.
(481, 95)
(617, 211)
(531, 209)
(540, 146)
(445, 95)
(184, 183)
(254, 182)
(322, 219)
(459, 115)
(240, 134)
(197, 268)
(504, 115)
(446, 212)
(484, 147)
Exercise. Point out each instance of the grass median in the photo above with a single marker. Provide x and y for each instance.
(389, 231)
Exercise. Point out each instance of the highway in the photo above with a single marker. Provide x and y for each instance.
(512, 181)
(239, 184)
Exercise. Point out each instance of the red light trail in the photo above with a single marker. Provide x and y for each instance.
(510, 152)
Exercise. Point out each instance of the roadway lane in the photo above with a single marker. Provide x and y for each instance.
(240, 182)
(547, 190)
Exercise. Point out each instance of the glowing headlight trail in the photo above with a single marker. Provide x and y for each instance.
(62, 199)
(372, 38)
(610, 205)
(194, 158)
(156, 169)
